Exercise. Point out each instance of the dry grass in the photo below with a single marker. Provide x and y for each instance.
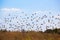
(28, 36)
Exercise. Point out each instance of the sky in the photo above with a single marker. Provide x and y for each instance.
(29, 7)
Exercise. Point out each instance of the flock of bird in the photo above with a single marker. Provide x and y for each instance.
(38, 21)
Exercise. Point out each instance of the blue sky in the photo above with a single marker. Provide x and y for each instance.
(31, 5)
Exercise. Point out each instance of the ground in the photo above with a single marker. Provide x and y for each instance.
(28, 36)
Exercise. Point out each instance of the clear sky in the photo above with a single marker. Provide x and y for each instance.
(31, 5)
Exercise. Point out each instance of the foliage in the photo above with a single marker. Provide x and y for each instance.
(53, 31)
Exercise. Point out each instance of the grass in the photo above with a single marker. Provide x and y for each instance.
(28, 36)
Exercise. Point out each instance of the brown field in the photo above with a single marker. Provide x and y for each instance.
(28, 36)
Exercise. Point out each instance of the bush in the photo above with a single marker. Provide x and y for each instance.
(53, 31)
(3, 30)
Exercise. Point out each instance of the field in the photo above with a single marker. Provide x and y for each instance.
(30, 35)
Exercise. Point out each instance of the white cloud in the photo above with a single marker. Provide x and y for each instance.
(57, 16)
(11, 9)
(7, 11)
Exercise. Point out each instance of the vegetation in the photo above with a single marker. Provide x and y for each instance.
(30, 35)
(57, 31)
